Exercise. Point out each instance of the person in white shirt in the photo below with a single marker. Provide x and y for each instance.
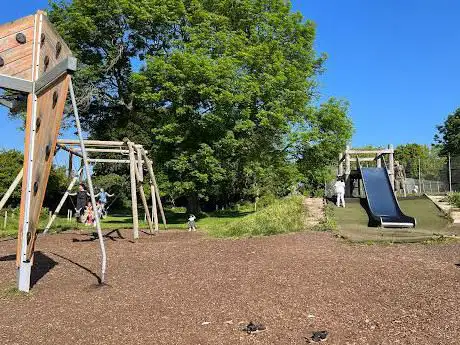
(340, 191)
(191, 223)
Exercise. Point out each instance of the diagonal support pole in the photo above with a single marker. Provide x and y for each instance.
(11, 189)
(154, 182)
(63, 199)
(89, 181)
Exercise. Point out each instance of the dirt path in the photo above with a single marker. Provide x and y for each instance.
(164, 288)
(315, 209)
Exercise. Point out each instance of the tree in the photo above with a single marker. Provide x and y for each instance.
(229, 95)
(218, 91)
(409, 155)
(10, 165)
(448, 136)
(331, 129)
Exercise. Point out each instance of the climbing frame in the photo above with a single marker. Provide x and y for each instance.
(35, 60)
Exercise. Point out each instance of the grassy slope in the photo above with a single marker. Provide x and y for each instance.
(283, 216)
(352, 223)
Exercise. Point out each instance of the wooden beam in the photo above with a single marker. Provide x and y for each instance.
(154, 182)
(92, 142)
(154, 206)
(370, 152)
(11, 189)
(146, 207)
(132, 173)
(68, 149)
(99, 150)
(140, 166)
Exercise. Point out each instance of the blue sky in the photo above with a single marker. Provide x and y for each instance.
(396, 62)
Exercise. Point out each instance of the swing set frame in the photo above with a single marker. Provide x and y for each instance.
(129, 153)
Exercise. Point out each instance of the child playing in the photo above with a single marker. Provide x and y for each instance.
(90, 220)
(191, 223)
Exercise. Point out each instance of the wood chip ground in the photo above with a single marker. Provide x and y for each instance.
(183, 288)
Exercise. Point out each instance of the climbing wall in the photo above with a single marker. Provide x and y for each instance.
(16, 48)
(30, 48)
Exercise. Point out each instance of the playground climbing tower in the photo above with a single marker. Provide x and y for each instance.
(35, 61)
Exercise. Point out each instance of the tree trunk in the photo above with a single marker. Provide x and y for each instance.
(193, 205)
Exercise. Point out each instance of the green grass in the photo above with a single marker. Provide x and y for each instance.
(61, 224)
(352, 223)
(283, 216)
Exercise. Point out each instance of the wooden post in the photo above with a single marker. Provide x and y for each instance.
(340, 165)
(146, 207)
(347, 172)
(154, 206)
(157, 193)
(11, 189)
(450, 173)
(140, 166)
(419, 177)
(69, 173)
(6, 220)
(132, 173)
(379, 160)
(391, 167)
(80, 176)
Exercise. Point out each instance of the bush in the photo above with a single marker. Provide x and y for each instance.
(454, 199)
(329, 222)
(282, 216)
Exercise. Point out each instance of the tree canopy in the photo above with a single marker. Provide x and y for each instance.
(220, 92)
(11, 164)
(448, 136)
(410, 155)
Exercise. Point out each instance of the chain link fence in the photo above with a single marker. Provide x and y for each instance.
(451, 173)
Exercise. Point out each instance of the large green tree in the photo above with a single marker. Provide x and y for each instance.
(448, 136)
(219, 91)
(329, 132)
(416, 156)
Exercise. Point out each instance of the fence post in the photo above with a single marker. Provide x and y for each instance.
(450, 173)
(419, 177)
(5, 220)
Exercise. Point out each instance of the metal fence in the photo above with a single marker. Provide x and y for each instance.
(416, 186)
(413, 187)
(451, 173)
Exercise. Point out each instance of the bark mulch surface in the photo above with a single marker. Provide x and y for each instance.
(183, 288)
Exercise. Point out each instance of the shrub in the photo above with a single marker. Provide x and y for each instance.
(454, 199)
(282, 216)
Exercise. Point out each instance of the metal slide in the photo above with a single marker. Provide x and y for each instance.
(384, 208)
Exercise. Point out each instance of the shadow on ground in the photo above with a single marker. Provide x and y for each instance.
(42, 265)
